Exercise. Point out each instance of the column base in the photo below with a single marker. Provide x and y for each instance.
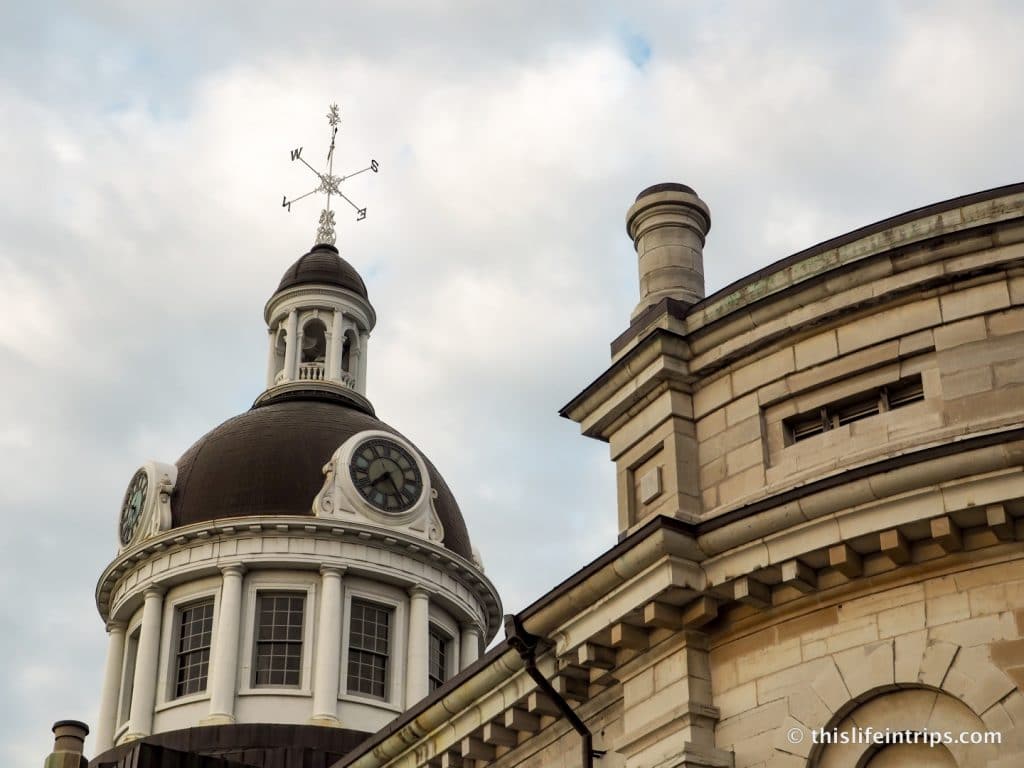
(218, 719)
(326, 721)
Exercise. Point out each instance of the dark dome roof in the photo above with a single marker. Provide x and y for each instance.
(323, 265)
(269, 460)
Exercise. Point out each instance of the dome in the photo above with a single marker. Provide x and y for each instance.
(324, 266)
(269, 461)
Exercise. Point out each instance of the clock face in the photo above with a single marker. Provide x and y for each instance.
(131, 509)
(386, 475)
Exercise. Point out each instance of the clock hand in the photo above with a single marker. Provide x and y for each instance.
(382, 476)
(383, 471)
(399, 482)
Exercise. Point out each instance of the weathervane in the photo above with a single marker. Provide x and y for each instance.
(329, 184)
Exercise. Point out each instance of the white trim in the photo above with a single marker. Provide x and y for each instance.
(277, 581)
(398, 602)
(167, 670)
(184, 554)
(321, 296)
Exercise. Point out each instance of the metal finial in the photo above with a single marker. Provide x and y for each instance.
(325, 232)
(329, 184)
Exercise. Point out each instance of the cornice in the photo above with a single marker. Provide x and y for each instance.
(463, 571)
(341, 298)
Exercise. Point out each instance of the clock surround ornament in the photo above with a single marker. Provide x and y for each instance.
(380, 458)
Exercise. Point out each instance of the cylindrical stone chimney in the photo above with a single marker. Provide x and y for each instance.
(668, 223)
(68, 744)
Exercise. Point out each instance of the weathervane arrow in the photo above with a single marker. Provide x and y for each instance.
(329, 184)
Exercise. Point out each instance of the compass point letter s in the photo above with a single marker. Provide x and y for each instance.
(374, 165)
(360, 214)
(285, 203)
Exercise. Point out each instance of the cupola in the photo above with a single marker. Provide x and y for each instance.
(318, 323)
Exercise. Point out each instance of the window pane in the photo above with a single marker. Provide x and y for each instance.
(906, 392)
(369, 637)
(859, 409)
(438, 658)
(278, 652)
(128, 675)
(195, 628)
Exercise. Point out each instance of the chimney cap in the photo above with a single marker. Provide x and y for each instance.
(76, 724)
(669, 186)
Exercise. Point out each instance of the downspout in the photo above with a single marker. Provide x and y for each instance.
(526, 645)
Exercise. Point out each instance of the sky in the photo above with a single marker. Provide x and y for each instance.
(144, 150)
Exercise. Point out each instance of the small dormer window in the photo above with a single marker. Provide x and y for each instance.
(850, 409)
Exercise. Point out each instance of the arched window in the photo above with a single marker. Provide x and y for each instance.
(314, 341)
(346, 351)
(280, 349)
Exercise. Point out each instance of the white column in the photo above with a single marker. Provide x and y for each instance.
(224, 658)
(328, 647)
(146, 665)
(334, 348)
(360, 366)
(106, 720)
(271, 357)
(469, 648)
(291, 346)
(416, 666)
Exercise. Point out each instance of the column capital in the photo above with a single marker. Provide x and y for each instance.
(116, 626)
(233, 569)
(154, 590)
(417, 591)
(333, 570)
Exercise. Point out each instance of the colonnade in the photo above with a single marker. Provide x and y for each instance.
(335, 334)
(222, 681)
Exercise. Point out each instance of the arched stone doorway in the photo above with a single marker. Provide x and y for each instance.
(918, 710)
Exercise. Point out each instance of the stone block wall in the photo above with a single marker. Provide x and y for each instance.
(963, 340)
(958, 635)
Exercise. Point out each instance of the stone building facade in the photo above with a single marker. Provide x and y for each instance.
(820, 474)
(821, 499)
